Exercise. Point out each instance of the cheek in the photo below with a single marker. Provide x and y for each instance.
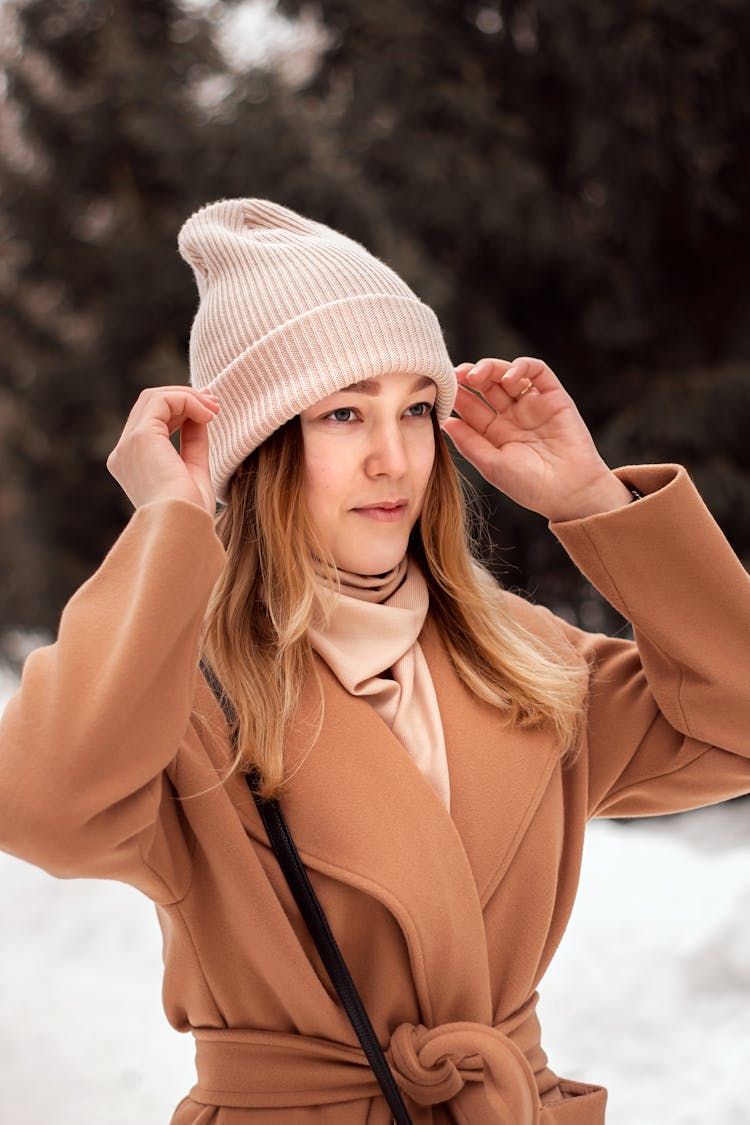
(321, 484)
(426, 462)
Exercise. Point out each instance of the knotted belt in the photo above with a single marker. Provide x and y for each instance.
(263, 1069)
(432, 1066)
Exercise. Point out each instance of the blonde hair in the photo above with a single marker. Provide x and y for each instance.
(254, 631)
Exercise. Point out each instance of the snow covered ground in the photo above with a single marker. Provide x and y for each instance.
(649, 994)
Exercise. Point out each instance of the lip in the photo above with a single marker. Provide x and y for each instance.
(384, 504)
(384, 511)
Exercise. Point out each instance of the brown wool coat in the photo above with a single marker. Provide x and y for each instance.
(110, 756)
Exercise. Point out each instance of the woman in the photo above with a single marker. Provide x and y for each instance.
(437, 744)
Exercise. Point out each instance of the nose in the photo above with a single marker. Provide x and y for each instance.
(387, 454)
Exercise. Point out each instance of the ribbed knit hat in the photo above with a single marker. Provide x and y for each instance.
(290, 312)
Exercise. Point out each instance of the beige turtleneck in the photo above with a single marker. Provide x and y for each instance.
(370, 643)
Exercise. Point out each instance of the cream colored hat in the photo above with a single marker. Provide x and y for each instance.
(290, 312)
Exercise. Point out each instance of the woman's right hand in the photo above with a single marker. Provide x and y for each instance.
(145, 463)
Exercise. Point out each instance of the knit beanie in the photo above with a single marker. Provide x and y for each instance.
(290, 312)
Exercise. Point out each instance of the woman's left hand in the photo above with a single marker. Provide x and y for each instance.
(526, 437)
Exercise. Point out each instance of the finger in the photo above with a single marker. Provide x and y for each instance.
(194, 454)
(181, 402)
(154, 418)
(462, 371)
(474, 411)
(202, 418)
(495, 396)
(194, 446)
(174, 409)
(520, 387)
(527, 373)
(486, 372)
(496, 428)
(473, 446)
(488, 377)
(167, 403)
(151, 395)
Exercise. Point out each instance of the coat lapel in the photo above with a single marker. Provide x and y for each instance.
(362, 812)
(498, 774)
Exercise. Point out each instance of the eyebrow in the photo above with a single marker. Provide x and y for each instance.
(372, 387)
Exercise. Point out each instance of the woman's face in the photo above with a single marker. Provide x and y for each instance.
(369, 451)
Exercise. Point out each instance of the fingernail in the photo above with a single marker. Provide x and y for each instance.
(472, 372)
(510, 371)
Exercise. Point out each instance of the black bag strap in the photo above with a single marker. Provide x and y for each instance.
(285, 850)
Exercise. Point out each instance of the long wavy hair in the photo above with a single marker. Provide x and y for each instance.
(254, 630)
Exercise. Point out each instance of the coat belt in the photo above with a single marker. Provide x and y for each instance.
(267, 1069)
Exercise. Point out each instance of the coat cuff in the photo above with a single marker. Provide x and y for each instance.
(666, 546)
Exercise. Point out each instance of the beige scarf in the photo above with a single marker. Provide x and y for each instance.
(371, 645)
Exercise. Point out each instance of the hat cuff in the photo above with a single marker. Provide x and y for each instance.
(314, 355)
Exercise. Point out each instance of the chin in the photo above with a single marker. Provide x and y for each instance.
(374, 561)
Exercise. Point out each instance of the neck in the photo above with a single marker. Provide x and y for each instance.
(364, 587)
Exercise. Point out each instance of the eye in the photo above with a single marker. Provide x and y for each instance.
(342, 414)
(420, 409)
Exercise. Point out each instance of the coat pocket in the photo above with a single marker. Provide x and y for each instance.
(582, 1104)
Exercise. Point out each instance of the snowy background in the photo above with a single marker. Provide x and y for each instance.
(649, 994)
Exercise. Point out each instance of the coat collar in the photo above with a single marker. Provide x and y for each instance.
(361, 811)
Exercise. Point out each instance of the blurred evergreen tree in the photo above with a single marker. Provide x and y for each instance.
(574, 180)
(122, 118)
(566, 182)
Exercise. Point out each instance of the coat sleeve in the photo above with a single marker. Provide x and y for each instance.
(668, 725)
(99, 715)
